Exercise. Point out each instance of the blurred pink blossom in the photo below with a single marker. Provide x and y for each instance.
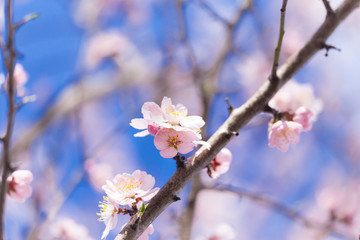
(67, 229)
(129, 189)
(98, 173)
(282, 133)
(304, 116)
(166, 116)
(170, 142)
(109, 215)
(20, 79)
(18, 185)
(148, 231)
(104, 45)
(294, 95)
(221, 163)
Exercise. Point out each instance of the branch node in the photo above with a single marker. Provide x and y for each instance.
(176, 198)
(329, 10)
(327, 47)
(230, 107)
(180, 161)
(232, 133)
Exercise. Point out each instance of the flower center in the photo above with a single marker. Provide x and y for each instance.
(174, 141)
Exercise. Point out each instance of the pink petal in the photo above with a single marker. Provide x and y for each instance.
(139, 123)
(186, 147)
(168, 153)
(152, 111)
(160, 140)
(142, 133)
(192, 122)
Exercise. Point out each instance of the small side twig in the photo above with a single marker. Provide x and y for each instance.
(329, 10)
(327, 47)
(179, 161)
(279, 43)
(230, 107)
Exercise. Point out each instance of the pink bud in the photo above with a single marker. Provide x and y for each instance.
(19, 188)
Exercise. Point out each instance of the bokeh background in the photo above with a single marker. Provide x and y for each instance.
(93, 63)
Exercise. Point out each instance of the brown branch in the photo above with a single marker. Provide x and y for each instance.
(9, 56)
(280, 208)
(281, 36)
(328, 7)
(237, 120)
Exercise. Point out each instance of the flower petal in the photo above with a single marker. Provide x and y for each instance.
(168, 153)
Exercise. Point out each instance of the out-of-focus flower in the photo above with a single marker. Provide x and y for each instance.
(148, 231)
(21, 77)
(109, 215)
(170, 142)
(98, 173)
(104, 45)
(166, 116)
(18, 185)
(129, 189)
(220, 164)
(304, 116)
(67, 229)
(282, 133)
(222, 232)
(295, 95)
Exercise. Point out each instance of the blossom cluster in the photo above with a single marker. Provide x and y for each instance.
(126, 190)
(298, 110)
(175, 132)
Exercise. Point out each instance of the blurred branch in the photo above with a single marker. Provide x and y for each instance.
(281, 209)
(9, 57)
(208, 89)
(69, 100)
(281, 35)
(183, 36)
(238, 119)
(328, 7)
(211, 11)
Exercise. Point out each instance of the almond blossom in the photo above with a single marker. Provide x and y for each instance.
(67, 229)
(130, 189)
(282, 133)
(148, 231)
(220, 164)
(20, 79)
(166, 116)
(170, 142)
(18, 185)
(304, 116)
(108, 214)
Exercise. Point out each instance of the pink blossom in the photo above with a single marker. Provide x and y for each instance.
(166, 116)
(170, 142)
(148, 230)
(20, 79)
(109, 215)
(67, 229)
(282, 133)
(295, 95)
(221, 163)
(98, 173)
(129, 189)
(19, 188)
(104, 45)
(304, 116)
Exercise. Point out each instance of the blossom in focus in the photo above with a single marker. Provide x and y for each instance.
(148, 230)
(166, 116)
(98, 173)
(108, 214)
(170, 142)
(304, 116)
(67, 229)
(282, 133)
(18, 185)
(129, 189)
(220, 164)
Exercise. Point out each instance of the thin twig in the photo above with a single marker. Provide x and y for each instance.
(9, 57)
(328, 7)
(212, 12)
(278, 46)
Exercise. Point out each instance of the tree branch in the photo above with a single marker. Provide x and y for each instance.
(328, 7)
(237, 120)
(9, 56)
(281, 35)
